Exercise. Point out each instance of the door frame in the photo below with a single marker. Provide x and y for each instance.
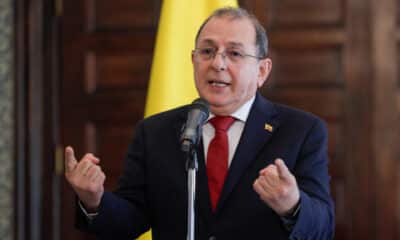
(36, 76)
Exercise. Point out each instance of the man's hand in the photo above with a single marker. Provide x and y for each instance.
(277, 187)
(86, 178)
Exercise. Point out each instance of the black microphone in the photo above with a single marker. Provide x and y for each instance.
(196, 117)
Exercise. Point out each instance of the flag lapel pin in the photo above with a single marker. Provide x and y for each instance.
(268, 127)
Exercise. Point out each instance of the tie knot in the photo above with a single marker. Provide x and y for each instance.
(222, 123)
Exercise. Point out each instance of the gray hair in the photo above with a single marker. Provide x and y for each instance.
(239, 13)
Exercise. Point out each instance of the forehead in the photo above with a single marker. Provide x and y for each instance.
(226, 31)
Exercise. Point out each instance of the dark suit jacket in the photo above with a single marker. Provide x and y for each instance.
(152, 191)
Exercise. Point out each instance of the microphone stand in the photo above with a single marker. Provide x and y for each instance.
(190, 139)
(191, 167)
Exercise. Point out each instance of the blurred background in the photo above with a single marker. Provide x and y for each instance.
(77, 71)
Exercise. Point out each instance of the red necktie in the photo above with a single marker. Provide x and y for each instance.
(217, 157)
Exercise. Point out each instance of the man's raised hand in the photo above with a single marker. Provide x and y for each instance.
(86, 178)
(277, 187)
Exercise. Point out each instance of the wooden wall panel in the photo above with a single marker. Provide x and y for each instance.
(385, 119)
(306, 13)
(308, 68)
(121, 15)
(107, 55)
(398, 52)
(127, 70)
(109, 142)
(397, 104)
(327, 103)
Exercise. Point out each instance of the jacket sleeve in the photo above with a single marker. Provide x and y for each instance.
(316, 217)
(124, 213)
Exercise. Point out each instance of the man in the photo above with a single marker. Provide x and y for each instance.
(275, 184)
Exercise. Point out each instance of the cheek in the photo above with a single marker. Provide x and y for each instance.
(199, 70)
(247, 79)
(197, 73)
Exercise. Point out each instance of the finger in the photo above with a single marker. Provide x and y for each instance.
(270, 180)
(283, 171)
(270, 174)
(93, 158)
(269, 183)
(94, 177)
(271, 170)
(93, 171)
(103, 176)
(268, 169)
(84, 166)
(70, 160)
(100, 178)
(86, 162)
(258, 188)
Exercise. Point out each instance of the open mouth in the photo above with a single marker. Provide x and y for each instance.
(215, 83)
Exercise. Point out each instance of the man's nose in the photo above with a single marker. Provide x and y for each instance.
(219, 61)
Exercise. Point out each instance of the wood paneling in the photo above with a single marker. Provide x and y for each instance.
(327, 103)
(298, 68)
(107, 55)
(306, 13)
(102, 136)
(336, 59)
(384, 117)
(312, 38)
(308, 49)
(129, 71)
(121, 15)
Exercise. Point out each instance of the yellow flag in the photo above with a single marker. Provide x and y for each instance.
(171, 80)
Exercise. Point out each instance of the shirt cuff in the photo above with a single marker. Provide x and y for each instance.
(290, 220)
(89, 216)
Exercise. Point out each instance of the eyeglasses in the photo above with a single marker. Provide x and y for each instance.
(235, 56)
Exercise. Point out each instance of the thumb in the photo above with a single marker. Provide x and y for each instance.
(283, 171)
(70, 160)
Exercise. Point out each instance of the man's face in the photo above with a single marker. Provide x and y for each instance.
(224, 83)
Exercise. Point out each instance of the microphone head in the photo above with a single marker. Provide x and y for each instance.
(202, 105)
(197, 115)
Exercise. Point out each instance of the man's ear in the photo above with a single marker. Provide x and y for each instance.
(265, 67)
(192, 57)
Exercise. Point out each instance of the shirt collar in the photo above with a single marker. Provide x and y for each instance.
(241, 113)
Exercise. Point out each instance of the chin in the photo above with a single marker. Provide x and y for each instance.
(215, 100)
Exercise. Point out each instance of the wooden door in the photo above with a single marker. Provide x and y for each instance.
(107, 54)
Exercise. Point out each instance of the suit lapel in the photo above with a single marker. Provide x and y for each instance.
(179, 124)
(255, 135)
(203, 197)
(253, 138)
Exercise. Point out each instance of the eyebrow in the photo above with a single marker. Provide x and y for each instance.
(236, 44)
(230, 44)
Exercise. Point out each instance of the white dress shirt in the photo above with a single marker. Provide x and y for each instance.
(234, 132)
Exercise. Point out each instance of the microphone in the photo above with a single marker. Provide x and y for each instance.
(197, 115)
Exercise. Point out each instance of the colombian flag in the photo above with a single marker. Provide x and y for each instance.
(171, 80)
